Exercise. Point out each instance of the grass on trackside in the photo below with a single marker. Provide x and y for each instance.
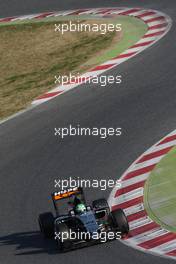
(31, 54)
(160, 192)
(133, 30)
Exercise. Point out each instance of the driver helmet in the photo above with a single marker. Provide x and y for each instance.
(80, 208)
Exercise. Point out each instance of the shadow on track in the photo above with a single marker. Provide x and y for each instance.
(29, 243)
(32, 243)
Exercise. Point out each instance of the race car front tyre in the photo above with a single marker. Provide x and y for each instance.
(120, 221)
(63, 240)
(46, 223)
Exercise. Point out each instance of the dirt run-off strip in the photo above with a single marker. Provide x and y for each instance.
(32, 53)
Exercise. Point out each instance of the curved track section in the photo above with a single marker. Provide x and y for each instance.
(158, 25)
(144, 234)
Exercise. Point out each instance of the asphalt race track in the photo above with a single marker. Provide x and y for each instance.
(31, 157)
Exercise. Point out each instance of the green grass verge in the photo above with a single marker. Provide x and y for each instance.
(133, 30)
(160, 192)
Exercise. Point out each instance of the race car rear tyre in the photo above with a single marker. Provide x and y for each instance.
(100, 204)
(64, 244)
(120, 221)
(46, 223)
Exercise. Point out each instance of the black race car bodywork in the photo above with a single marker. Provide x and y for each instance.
(72, 229)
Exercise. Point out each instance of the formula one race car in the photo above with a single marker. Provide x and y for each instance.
(81, 225)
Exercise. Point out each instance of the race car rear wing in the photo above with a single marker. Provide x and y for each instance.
(66, 193)
(57, 197)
